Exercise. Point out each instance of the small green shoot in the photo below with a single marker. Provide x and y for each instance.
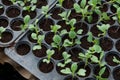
(116, 60)
(2, 29)
(72, 70)
(67, 59)
(49, 55)
(45, 10)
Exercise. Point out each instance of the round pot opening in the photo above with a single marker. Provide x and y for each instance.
(4, 21)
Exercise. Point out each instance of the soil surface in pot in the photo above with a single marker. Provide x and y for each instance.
(45, 24)
(71, 78)
(116, 73)
(32, 14)
(46, 68)
(41, 3)
(49, 37)
(23, 49)
(106, 43)
(6, 37)
(15, 25)
(3, 22)
(1, 10)
(68, 4)
(109, 58)
(6, 2)
(41, 52)
(13, 12)
(118, 45)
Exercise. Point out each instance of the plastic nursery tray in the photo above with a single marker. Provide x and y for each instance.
(31, 62)
(7, 18)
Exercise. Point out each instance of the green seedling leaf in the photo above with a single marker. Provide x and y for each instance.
(77, 8)
(116, 60)
(72, 34)
(90, 37)
(79, 31)
(37, 47)
(67, 43)
(2, 29)
(55, 28)
(34, 36)
(66, 71)
(81, 72)
(57, 39)
(102, 71)
(94, 59)
(63, 32)
(26, 19)
(83, 3)
(33, 8)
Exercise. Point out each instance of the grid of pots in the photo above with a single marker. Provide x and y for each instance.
(23, 53)
(11, 17)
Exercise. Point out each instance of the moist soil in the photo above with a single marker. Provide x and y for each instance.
(74, 52)
(46, 68)
(23, 49)
(68, 4)
(58, 53)
(105, 74)
(71, 78)
(1, 10)
(83, 26)
(55, 13)
(45, 24)
(118, 45)
(41, 52)
(41, 3)
(84, 43)
(6, 2)
(116, 73)
(3, 22)
(32, 14)
(109, 58)
(15, 25)
(106, 43)
(31, 39)
(49, 37)
(114, 32)
(13, 12)
(6, 37)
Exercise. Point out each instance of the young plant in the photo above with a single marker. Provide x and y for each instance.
(60, 2)
(26, 23)
(103, 28)
(2, 29)
(82, 8)
(101, 72)
(67, 59)
(49, 55)
(116, 60)
(45, 10)
(73, 70)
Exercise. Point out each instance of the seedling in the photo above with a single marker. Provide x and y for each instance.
(45, 10)
(60, 3)
(2, 29)
(95, 49)
(101, 72)
(67, 59)
(103, 28)
(116, 60)
(82, 8)
(26, 23)
(49, 55)
(73, 70)
(55, 28)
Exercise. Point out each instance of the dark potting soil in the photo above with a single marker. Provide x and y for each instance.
(84, 43)
(15, 25)
(95, 31)
(90, 79)
(71, 78)
(1, 10)
(87, 68)
(106, 43)
(3, 22)
(63, 25)
(49, 38)
(23, 49)
(58, 53)
(113, 9)
(55, 13)
(41, 3)
(105, 74)
(41, 52)
(114, 32)
(109, 58)
(104, 8)
(74, 52)
(6, 37)
(7, 72)
(68, 4)
(45, 24)
(83, 26)
(95, 18)
(117, 45)
(32, 14)
(6, 2)
(75, 15)
(46, 68)
(116, 73)
(13, 12)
